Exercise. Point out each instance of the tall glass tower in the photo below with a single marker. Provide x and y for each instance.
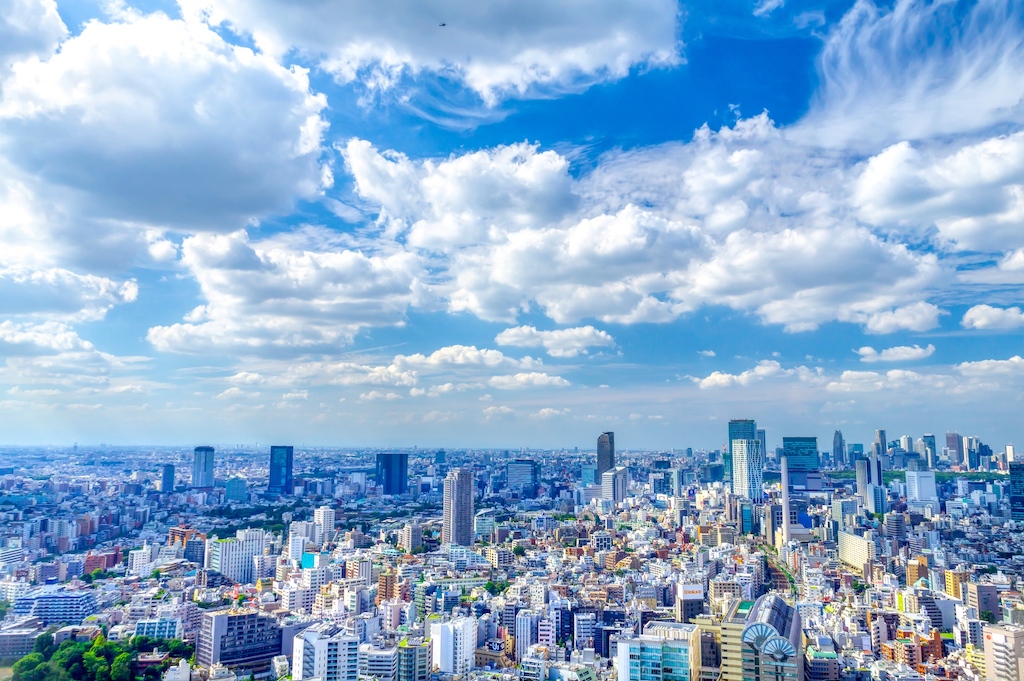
(605, 453)
(202, 467)
(281, 461)
(393, 472)
(739, 429)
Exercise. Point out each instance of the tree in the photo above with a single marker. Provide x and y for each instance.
(44, 645)
(988, 616)
(4, 607)
(23, 668)
(120, 670)
(519, 551)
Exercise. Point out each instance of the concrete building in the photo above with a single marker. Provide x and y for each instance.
(773, 642)
(1004, 653)
(665, 651)
(855, 550)
(614, 483)
(238, 639)
(413, 659)
(56, 605)
(326, 653)
(232, 557)
(457, 520)
(453, 644)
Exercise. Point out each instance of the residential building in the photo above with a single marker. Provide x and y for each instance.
(238, 639)
(326, 653)
(748, 469)
(457, 519)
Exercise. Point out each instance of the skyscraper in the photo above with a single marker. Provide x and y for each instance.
(457, 522)
(802, 453)
(863, 478)
(614, 484)
(393, 472)
(281, 460)
(955, 444)
(748, 469)
(1017, 490)
(883, 444)
(739, 429)
(522, 476)
(838, 450)
(202, 467)
(167, 478)
(605, 453)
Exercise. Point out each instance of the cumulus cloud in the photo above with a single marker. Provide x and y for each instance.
(900, 353)
(989, 317)
(60, 294)
(533, 379)
(993, 367)
(161, 122)
(272, 298)
(379, 395)
(894, 380)
(28, 28)
(498, 412)
(558, 343)
(497, 50)
(548, 413)
(720, 379)
(463, 356)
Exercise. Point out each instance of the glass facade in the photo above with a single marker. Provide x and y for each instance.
(393, 472)
(281, 464)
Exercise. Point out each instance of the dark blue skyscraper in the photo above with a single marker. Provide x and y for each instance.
(393, 472)
(739, 429)
(281, 462)
(1017, 490)
(522, 476)
(167, 478)
(804, 462)
(202, 467)
(605, 454)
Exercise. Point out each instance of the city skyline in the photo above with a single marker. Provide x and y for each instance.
(650, 223)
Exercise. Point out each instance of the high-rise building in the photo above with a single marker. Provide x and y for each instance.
(457, 522)
(1017, 490)
(454, 643)
(881, 444)
(281, 465)
(413, 659)
(527, 629)
(863, 478)
(393, 472)
(984, 598)
(838, 450)
(324, 519)
(739, 429)
(324, 651)
(202, 467)
(167, 478)
(411, 537)
(1004, 652)
(804, 462)
(605, 453)
(588, 474)
(748, 469)
(955, 444)
(232, 557)
(522, 476)
(921, 488)
(667, 651)
(239, 639)
(614, 484)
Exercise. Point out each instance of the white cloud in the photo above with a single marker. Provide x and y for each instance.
(28, 28)
(765, 7)
(920, 316)
(463, 356)
(706, 353)
(557, 343)
(989, 317)
(506, 48)
(161, 122)
(767, 368)
(60, 294)
(533, 379)
(894, 380)
(992, 367)
(548, 413)
(901, 353)
(959, 71)
(379, 395)
(498, 412)
(265, 297)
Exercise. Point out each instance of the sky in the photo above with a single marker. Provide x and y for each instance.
(447, 223)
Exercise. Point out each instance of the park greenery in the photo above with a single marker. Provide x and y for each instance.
(96, 660)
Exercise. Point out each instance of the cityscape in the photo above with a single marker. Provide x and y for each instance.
(896, 558)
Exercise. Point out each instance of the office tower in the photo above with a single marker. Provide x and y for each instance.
(323, 519)
(202, 467)
(838, 450)
(232, 557)
(763, 437)
(239, 640)
(1009, 453)
(1004, 652)
(522, 476)
(956, 445)
(863, 479)
(454, 644)
(842, 507)
(906, 444)
(393, 472)
(804, 462)
(588, 474)
(773, 641)
(786, 506)
(667, 651)
(1017, 490)
(605, 453)
(677, 481)
(614, 484)
(235, 490)
(281, 464)
(984, 598)
(882, 444)
(739, 429)
(748, 469)
(324, 651)
(929, 442)
(877, 500)
(457, 524)
(921, 488)
(167, 478)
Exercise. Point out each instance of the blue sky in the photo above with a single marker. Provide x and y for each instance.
(247, 221)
